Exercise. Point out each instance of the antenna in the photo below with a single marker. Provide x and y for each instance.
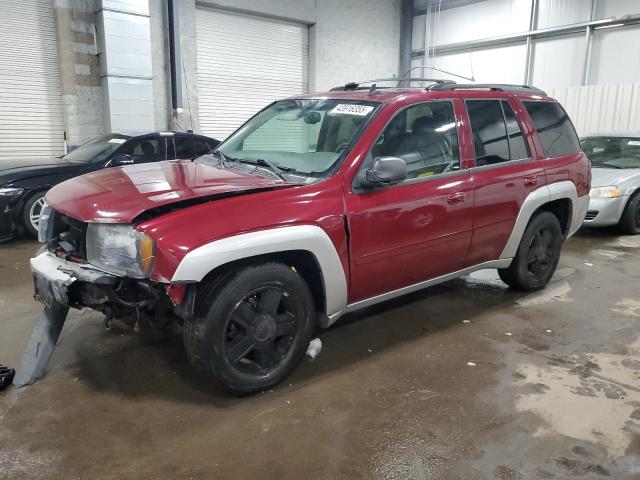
(438, 70)
(372, 90)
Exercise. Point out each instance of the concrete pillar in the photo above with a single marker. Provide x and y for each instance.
(79, 70)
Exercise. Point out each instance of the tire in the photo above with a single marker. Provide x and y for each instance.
(32, 208)
(537, 256)
(251, 327)
(630, 220)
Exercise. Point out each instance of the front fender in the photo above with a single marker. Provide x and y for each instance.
(202, 260)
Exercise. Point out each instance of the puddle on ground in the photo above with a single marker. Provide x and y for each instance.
(628, 241)
(629, 307)
(554, 292)
(592, 397)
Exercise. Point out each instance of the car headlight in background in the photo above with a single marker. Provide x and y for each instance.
(605, 192)
(11, 192)
(120, 249)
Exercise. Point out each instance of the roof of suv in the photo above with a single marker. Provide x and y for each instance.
(386, 95)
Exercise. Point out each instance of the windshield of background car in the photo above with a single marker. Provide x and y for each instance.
(97, 149)
(616, 152)
(306, 136)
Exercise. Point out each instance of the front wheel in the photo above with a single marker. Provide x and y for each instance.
(251, 328)
(630, 221)
(537, 256)
(31, 213)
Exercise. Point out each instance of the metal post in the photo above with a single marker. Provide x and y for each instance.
(406, 34)
(533, 25)
(588, 42)
(175, 57)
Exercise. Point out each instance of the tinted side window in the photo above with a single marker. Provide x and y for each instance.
(147, 150)
(489, 131)
(517, 146)
(184, 147)
(554, 128)
(200, 147)
(425, 137)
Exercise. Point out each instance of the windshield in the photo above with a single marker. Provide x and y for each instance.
(97, 149)
(613, 152)
(304, 136)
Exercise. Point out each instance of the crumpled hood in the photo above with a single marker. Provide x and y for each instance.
(119, 195)
(603, 177)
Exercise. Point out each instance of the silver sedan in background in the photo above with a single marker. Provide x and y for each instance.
(615, 192)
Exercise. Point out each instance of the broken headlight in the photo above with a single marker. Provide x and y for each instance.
(120, 249)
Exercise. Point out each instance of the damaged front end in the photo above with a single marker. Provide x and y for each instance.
(104, 267)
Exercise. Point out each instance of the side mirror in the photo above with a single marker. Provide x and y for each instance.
(121, 159)
(385, 171)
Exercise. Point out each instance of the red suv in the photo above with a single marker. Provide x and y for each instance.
(319, 205)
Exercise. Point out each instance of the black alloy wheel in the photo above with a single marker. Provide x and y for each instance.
(252, 326)
(260, 330)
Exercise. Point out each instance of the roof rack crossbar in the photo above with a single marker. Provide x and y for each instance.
(499, 87)
(360, 84)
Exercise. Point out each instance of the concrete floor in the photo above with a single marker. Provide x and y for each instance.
(467, 380)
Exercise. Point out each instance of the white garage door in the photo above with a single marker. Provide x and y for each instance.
(31, 119)
(245, 63)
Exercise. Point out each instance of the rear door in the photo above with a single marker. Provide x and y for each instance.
(506, 170)
(421, 228)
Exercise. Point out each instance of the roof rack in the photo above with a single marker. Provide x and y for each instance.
(497, 87)
(360, 85)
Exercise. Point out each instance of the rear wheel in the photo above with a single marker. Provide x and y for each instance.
(251, 328)
(630, 220)
(537, 256)
(31, 213)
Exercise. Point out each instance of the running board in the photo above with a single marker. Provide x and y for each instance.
(502, 263)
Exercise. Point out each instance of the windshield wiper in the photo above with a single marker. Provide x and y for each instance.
(605, 165)
(224, 160)
(279, 171)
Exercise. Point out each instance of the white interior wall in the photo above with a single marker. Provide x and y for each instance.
(615, 55)
(611, 99)
(557, 61)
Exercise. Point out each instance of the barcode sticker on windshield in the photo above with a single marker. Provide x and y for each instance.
(633, 142)
(117, 140)
(351, 109)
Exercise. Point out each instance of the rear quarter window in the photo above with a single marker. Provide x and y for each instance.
(556, 132)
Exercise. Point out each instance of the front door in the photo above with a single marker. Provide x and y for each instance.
(421, 228)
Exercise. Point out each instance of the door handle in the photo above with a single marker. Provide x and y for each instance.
(456, 197)
(531, 181)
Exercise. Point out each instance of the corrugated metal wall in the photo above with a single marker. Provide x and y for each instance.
(598, 108)
(244, 63)
(31, 123)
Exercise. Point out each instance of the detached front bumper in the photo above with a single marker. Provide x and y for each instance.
(604, 212)
(54, 279)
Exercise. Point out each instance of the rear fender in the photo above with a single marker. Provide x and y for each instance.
(538, 198)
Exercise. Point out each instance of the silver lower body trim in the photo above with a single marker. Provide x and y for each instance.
(501, 263)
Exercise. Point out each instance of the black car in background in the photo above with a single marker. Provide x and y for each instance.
(24, 181)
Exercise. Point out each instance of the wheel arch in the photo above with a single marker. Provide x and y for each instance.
(561, 199)
(317, 261)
